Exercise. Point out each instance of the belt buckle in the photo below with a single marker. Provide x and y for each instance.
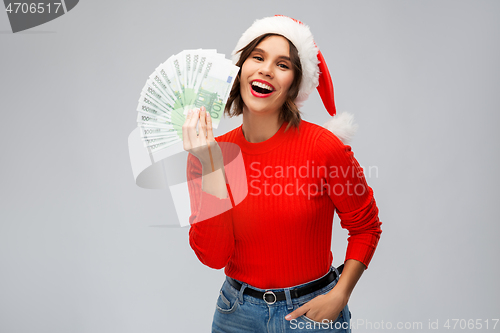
(269, 292)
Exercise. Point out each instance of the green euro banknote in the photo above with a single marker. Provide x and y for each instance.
(215, 87)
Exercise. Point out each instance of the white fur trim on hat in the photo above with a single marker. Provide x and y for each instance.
(343, 126)
(301, 37)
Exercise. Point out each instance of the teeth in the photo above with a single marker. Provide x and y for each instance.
(262, 85)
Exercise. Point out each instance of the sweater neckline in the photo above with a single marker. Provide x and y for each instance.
(264, 146)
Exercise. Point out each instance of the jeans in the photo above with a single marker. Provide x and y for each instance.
(239, 313)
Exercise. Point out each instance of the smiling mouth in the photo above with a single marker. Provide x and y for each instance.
(261, 88)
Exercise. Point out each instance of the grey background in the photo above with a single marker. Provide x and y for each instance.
(83, 249)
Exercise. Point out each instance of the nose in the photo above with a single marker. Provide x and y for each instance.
(266, 69)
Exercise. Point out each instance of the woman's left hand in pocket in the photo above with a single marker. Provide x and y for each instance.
(322, 307)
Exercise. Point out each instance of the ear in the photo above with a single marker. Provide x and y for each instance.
(342, 125)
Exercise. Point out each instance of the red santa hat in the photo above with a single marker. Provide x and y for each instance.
(315, 72)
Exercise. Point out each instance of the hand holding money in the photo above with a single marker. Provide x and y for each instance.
(198, 144)
(206, 149)
(203, 144)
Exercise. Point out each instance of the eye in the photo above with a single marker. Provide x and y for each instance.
(283, 66)
(258, 58)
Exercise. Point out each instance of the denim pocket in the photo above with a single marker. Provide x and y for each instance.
(303, 317)
(311, 296)
(227, 302)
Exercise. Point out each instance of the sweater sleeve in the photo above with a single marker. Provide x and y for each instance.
(346, 185)
(211, 232)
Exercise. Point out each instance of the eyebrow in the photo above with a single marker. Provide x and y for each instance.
(262, 51)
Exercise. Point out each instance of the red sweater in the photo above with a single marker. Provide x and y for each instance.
(280, 234)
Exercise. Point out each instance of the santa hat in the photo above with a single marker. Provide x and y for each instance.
(315, 73)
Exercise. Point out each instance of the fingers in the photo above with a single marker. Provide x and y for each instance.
(192, 127)
(297, 313)
(203, 124)
(185, 136)
(210, 133)
(189, 137)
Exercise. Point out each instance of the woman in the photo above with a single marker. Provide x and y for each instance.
(274, 240)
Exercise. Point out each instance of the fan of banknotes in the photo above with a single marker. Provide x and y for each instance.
(188, 80)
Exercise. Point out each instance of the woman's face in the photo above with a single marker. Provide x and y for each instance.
(266, 76)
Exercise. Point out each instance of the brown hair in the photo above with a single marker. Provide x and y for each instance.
(289, 111)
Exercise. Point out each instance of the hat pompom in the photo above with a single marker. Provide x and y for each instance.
(343, 126)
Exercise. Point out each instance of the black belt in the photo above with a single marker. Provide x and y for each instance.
(271, 297)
